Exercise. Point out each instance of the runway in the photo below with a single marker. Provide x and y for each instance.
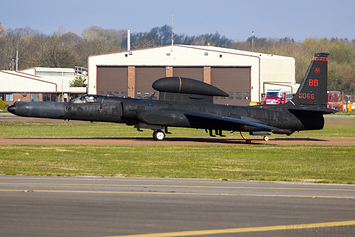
(93, 206)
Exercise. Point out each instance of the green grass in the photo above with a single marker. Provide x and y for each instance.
(331, 164)
(86, 129)
(346, 112)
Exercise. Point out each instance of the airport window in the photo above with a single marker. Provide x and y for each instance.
(239, 98)
(223, 98)
(239, 93)
(246, 93)
(139, 92)
(231, 97)
(146, 93)
(9, 97)
(230, 93)
(34, 97)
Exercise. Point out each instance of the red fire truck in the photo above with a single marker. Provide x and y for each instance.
(334, 100)
(277, 96)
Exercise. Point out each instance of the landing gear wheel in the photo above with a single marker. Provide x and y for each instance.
(266, 138)
(159, 135)
(248, 141)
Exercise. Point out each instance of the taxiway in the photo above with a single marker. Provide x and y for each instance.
(93, 206)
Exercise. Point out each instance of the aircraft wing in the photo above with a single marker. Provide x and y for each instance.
(242, 121)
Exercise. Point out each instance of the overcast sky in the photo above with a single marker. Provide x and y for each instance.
(234, 19)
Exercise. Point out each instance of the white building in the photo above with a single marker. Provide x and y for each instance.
(245, 76)
(37, 84)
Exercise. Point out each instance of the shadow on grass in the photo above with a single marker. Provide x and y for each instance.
(151, 141)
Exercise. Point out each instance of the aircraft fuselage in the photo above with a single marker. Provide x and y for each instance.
(170, 113)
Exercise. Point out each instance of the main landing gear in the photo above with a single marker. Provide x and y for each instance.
(158, 135)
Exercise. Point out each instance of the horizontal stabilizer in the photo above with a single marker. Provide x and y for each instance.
(311, 109)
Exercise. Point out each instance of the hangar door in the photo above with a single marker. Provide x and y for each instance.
(145, 76)
(236, 81)
(189, 72)
(112, 80)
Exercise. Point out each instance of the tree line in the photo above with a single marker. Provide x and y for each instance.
(67, 49)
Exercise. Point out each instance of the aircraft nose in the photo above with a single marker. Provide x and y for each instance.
(12, 109)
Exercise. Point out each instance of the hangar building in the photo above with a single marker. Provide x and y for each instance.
(245, 76)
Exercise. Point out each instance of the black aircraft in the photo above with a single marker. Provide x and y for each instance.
(185, 102)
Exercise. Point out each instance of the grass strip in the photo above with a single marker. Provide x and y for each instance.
(86, 129)
(327, 164)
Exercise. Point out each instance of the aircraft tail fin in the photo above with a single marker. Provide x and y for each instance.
(312, 93)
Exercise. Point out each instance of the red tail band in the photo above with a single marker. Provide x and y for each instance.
(320, 59)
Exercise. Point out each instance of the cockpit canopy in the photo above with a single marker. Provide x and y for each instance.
(85, 99)
(95, 98)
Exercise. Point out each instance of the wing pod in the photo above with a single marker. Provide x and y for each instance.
(187, 86)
